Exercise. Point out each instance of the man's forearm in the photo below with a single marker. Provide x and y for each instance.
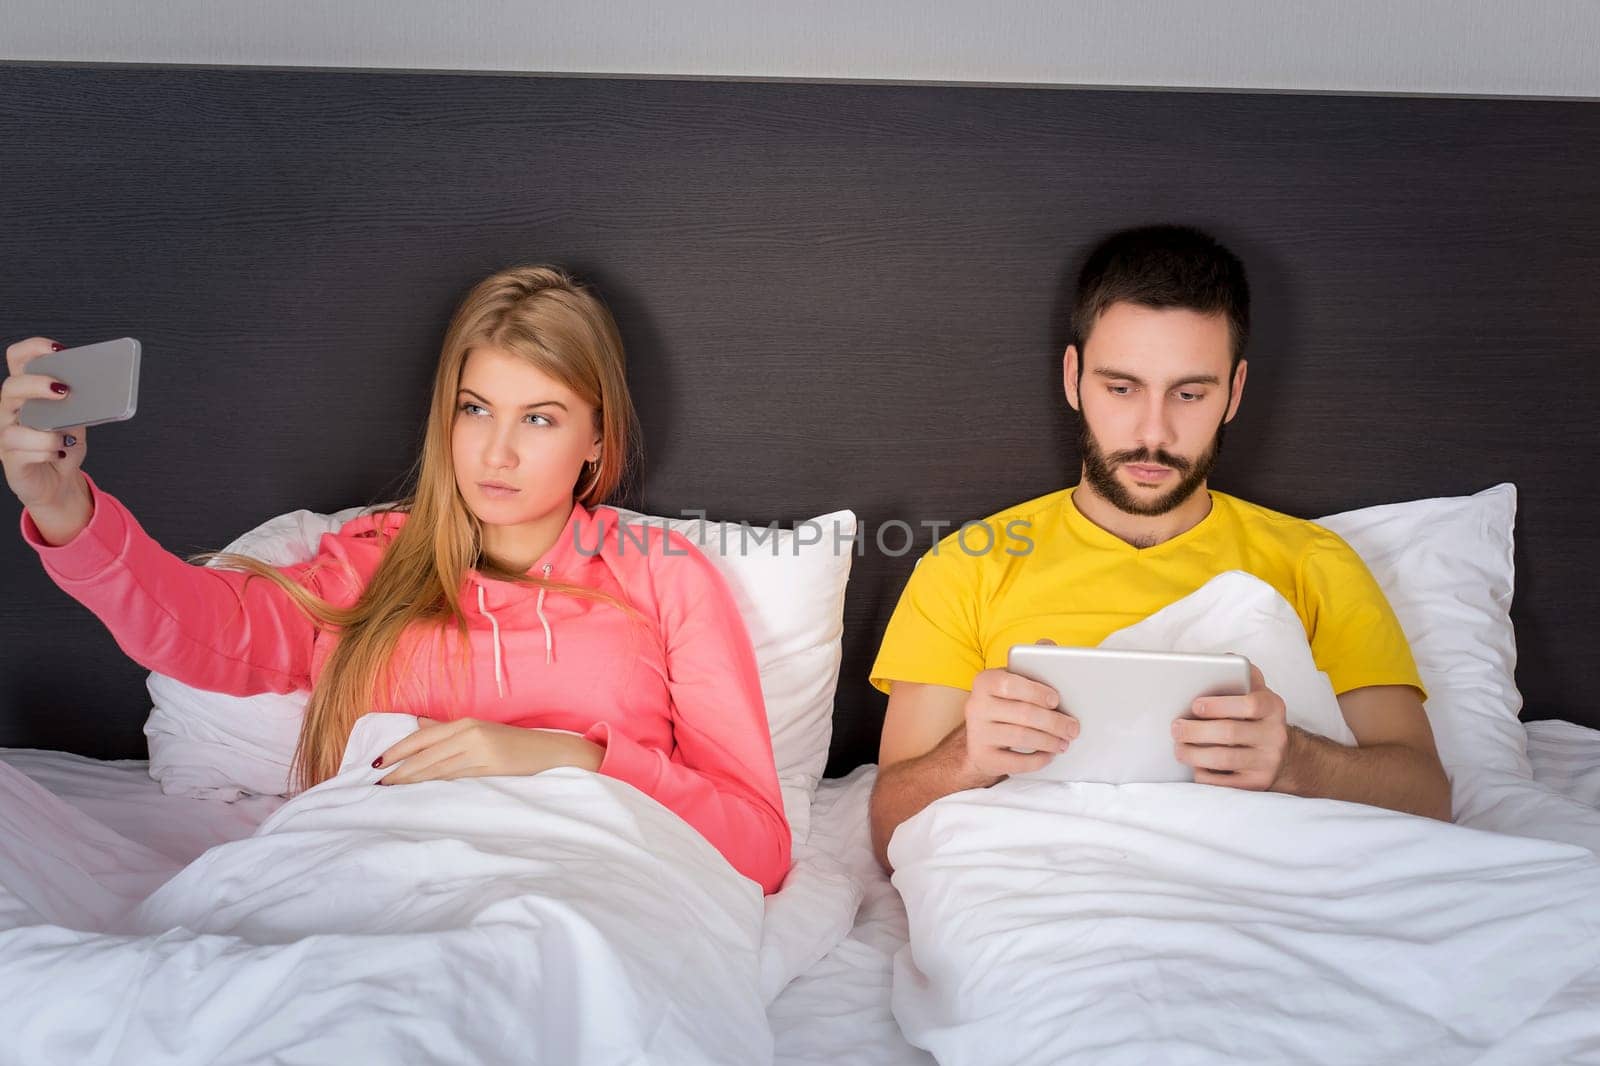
(1392, 776)
(906, 787)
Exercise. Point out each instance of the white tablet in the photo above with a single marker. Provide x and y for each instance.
(1125, 703)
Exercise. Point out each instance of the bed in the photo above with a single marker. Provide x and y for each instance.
(838, 1011)
(823, 289)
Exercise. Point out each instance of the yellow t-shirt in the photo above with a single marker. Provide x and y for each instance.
(1044, 570)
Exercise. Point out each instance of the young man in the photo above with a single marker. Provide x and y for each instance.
(1155, 371)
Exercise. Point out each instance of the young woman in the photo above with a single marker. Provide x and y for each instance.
(498, 602)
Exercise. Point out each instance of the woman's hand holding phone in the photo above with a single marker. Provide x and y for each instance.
(42, 468)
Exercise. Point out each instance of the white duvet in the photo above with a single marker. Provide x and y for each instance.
(1057, 922)
(1180, 923)
(563, 918)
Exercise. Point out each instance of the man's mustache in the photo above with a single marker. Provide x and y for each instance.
(1158, 458)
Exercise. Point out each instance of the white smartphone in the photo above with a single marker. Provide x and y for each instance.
(104, 379)
(1125, 703)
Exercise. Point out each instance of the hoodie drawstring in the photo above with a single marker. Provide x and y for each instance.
(499, 668)
(538, 605)
(499, 655)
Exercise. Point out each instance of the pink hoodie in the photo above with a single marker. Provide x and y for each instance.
(676, 702)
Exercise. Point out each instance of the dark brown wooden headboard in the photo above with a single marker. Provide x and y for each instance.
(832, 295)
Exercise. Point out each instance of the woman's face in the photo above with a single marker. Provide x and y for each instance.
(519, 440)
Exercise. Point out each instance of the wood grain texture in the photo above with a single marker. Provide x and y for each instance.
(832, 296)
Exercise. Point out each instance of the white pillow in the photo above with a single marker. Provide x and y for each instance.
(1445, 565)
(789, 588)
(211, 746)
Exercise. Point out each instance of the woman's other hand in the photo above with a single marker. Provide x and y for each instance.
(42, 466)
(471, 747)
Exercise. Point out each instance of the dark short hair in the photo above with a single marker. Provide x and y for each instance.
(1163, 267)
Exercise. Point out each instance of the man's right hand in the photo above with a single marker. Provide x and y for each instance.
(1013, 725)
(938, 739)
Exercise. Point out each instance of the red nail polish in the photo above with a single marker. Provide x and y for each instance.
(377, 762)
(61, 455)
(59, 388)
(54, 347)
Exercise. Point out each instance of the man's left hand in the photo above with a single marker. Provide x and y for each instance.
(471, 747)
(1237, 741)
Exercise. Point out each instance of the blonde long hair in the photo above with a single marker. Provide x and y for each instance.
(562, 329)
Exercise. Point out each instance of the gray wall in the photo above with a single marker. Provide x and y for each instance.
(1542, 47)
(832, 296)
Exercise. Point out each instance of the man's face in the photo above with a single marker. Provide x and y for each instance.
(1153, 391)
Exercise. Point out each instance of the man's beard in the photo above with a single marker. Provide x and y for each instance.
(1099, 470)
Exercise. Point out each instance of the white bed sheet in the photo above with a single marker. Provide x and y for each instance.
(1566, 758)
(528, 914)
(121, 795)
(838, 1011)
(120, 837)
